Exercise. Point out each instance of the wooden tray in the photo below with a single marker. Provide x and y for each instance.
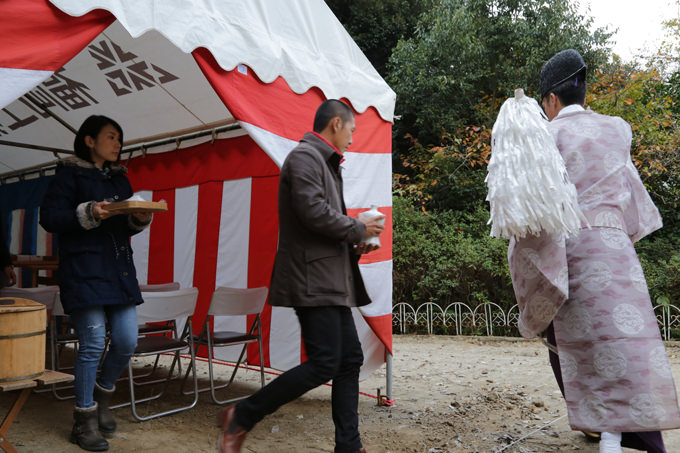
(137, 206)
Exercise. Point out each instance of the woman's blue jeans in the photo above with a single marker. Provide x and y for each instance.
(90, 325)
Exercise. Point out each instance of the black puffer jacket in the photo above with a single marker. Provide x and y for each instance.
(95, 258)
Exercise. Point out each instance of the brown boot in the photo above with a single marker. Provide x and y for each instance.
(231, 435)
(107, 424)
(85, 431)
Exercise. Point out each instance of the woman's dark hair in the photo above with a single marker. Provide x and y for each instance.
(91, 127)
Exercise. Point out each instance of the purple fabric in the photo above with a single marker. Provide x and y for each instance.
(614, 367)
(650, 441)
(615, 373)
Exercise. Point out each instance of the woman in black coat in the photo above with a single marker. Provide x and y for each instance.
(97, 277)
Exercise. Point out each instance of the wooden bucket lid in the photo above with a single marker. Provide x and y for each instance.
(16, 304)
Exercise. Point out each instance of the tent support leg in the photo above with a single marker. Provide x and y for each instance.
(388, 375)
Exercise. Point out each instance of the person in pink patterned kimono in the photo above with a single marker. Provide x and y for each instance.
(588, 292)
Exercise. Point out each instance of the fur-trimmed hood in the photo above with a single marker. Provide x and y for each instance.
(75, 161)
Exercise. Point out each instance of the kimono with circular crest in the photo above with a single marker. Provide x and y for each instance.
(591, 286)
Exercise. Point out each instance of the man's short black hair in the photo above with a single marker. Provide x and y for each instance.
(565, 75)
(572, 91)
(328, 110)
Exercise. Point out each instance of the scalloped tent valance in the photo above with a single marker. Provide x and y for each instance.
(300, 41)
(79, 57)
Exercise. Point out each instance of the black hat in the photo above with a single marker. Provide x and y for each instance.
(560, 68)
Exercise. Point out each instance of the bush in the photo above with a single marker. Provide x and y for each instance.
(660, 259)
(448, 257)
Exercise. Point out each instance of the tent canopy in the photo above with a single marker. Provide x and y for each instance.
(210, 101)
(154, 82)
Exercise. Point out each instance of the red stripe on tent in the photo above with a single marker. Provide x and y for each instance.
(372, 134)
(223, 160)
(162, 240)
(382, 327)
(278, 109)
(263, 241)
(49, 39)
(207, 240)
(271, 106)
(384, 253)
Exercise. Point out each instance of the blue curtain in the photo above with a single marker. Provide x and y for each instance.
(27, 195)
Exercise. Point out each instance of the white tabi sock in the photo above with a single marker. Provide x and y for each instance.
(610, 443)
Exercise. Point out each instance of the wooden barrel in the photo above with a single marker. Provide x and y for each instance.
(22, 339)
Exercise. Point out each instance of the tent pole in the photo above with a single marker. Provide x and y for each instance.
(36, 147)
(178, 139)
(42, 106)
(182, 133)
(229, 126)
(26, 171)
(388, 375)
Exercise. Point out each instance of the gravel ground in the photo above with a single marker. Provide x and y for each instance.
(452, 394)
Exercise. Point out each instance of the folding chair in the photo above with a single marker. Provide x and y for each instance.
(156, 328)
(158, 287)
(232, 302)
(161, 307)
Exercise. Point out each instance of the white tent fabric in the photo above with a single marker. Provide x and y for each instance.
(18, 81)
(168, 90)
(132, 71)
(299, 40)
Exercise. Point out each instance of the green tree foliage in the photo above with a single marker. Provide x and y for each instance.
(648, 99)
(377, 25)
(448, 257)
(449, 176)
(451, 76)
(668, 60)
(463, 50)
(452, 63)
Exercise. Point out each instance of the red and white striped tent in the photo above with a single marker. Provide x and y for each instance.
(211, 97)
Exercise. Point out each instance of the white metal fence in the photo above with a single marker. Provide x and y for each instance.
(489, 318)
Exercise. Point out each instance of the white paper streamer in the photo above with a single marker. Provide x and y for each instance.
(529, 188)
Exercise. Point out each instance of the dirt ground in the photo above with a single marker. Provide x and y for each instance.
(452, 394)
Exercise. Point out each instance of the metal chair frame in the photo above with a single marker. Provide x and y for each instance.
(144, 330)
(231, 302)
(160, 307)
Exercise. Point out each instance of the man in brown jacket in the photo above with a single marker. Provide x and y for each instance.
(315, 272)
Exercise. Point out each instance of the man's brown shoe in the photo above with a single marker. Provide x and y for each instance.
(230, 440)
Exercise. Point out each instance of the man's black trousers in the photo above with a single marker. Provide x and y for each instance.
(333, 352)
